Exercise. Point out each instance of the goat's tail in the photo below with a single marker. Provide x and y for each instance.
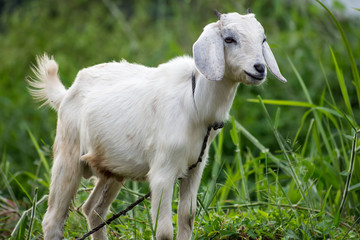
(46, 86)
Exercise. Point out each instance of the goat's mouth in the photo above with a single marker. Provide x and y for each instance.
(257, 77)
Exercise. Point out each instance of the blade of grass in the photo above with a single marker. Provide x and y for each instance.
(354, 68)
(355, 187)
(350, 172)
(149, 219)
(323, 205)
(301, 81)
(41, 155)
(21, 187)
(308, 134)
(32, 216)
(158, 212)
(327, 84)
(200, 201)
(334, 111)
(341, 81)
(284, 103)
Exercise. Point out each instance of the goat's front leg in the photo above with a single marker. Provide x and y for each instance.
(187, 205)
(161, 184)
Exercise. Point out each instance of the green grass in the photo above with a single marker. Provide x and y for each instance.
(290, 178)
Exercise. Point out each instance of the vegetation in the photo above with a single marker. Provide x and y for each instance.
(285, 166)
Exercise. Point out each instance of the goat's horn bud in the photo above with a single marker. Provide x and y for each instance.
(217, 14)
(248, 10)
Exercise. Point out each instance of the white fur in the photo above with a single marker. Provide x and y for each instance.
(126, 121)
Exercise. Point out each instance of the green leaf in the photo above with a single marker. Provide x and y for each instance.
(21, 186)
(337, 218)
(32, 217)
(18, 232)
(233, 133)
(301, 81)
(284, 103)
(41, 155)
(342, 85)
(323, 205)
(355, 187)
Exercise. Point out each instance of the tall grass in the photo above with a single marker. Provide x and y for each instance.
(306, 188)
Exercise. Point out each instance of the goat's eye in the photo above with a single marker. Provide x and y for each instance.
(264, 40)
(229, 40)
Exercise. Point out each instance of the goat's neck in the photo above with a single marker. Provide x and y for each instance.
(213, 99)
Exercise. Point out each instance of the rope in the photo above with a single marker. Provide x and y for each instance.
(215, 126)
(115, 216)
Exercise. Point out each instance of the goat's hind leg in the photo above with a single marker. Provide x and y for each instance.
(65, 180)
(97, 205)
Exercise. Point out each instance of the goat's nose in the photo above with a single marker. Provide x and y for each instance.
(260, 67)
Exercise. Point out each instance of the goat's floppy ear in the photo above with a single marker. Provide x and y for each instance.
(271, 62)
(208, 53)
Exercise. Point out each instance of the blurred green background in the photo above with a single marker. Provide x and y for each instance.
(81, 33)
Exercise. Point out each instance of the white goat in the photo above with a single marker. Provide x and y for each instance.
(123, 121)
